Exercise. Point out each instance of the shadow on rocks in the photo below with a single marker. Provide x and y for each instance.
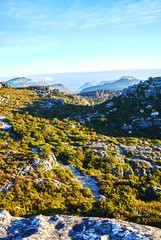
(20, 229)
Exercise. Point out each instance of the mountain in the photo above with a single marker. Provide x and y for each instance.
(25, 82)
(62, 88)
(86, 85)
(120, 84)
(20, 82)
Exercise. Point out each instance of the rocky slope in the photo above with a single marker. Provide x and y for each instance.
(51, 164)
(99, 96)
(137, 112)
(59, 227)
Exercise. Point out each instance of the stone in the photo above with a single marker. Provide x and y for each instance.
(62, 227)
(138, 163)
(154, 114)
(110, 104)
(128, 172)
(144, 123)
(5, 85)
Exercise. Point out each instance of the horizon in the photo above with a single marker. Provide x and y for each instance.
(74, 80)
(79, 36)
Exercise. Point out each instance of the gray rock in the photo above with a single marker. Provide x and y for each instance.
(141, 122)
(138, 163)
(72, 228)
(128, 172)
(142, 172)
(5, 85)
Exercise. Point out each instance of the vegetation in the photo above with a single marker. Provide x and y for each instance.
(39, 129)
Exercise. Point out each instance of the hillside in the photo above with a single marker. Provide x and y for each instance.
(120, 84)
(137, 112)
(59, 155)
(99, 96)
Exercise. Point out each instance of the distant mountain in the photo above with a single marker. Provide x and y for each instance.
(120, 84)
(20, 82)
(62, 88)
(25, 82)
(86, 85)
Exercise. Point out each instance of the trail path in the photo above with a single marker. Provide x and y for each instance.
(86, 181)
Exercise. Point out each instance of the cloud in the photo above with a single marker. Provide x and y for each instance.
(41, 17)
(48, 79)
(38, 22)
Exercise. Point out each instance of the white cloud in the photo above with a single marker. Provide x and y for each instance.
(48, 79)
(78, 15)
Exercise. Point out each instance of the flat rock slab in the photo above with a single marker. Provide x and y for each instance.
(59, 227)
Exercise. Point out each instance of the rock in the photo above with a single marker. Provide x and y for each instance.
(138, 163)
(102, 153)
(141, 111)
(52, 160)
(61, 227)
(154, 114)
(127, 127)
(117, 172)
(110, 104)
(142, 172)
(155, 168)
(100, 96)
(141, 122)
(149, 107)
(128, 172)
(5, 85)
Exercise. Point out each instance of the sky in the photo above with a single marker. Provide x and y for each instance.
(56, 36)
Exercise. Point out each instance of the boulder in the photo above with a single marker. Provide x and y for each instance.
(5, 85)
(138, 163)
(59, 227)
(128, 172)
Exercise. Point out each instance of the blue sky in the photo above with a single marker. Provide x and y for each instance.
(52, 36)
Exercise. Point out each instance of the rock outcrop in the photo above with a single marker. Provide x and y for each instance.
(5, 85)
(100, 96)
(151, 88)
(59, 227)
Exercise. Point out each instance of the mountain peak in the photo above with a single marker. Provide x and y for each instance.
(19, 82)
(86, 85)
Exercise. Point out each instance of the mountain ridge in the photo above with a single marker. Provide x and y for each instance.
(119, 84)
